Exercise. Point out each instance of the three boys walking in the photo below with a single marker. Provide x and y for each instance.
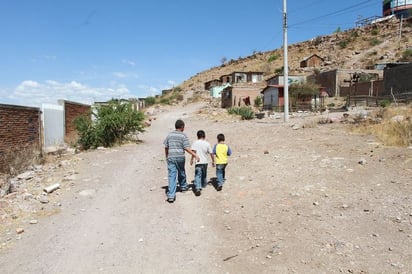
(176, 143)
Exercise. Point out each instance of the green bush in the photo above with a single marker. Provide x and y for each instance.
(385, 103)
(407, 55)
(258, 101)
(246, 113)
(374, 41)
(165, 101)
(273, 57)
(111, 124)
(343, 44)
(150, 101)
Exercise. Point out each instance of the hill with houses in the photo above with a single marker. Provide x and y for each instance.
(362, 50)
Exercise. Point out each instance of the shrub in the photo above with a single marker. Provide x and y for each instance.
(246, 113)
(258, 101)
(407, 55)
(385, 103)
(354, 34)
(150, 101)
(112, 123)
(374, 41)
(343, 44)
(273, 57)
(165, 101)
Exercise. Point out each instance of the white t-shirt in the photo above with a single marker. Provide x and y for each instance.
(203, 150)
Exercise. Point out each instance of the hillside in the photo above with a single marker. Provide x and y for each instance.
(357, 48)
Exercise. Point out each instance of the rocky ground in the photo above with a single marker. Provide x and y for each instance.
(300, 197)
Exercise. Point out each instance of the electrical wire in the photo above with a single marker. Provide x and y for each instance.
(363, 4)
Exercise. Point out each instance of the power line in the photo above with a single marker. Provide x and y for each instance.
(341, 11)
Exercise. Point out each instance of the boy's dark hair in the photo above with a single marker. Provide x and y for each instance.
(179, 124)
(201, 134)
(220, 137)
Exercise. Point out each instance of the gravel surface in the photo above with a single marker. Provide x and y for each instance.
(300, 197)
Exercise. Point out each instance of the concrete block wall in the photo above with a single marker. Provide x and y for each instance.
(20, 128)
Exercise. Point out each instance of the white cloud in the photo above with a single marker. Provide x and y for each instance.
(120, 74)
(31, 93)
(124, 75)
(129, 62)
(28, 84)
(44, 58)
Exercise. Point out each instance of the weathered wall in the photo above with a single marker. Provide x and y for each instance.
(20, 130)
(364, 89)
(399, 79)
(337, 82)
(238, 93)
(71, 111)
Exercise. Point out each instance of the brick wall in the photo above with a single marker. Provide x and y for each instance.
(20, 129)
(71, 111)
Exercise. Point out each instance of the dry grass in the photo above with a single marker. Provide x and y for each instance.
(17, 160)
(394, 127)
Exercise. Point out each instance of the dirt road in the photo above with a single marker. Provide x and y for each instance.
(297, 200)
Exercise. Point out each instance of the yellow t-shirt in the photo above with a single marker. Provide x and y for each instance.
(222, 151)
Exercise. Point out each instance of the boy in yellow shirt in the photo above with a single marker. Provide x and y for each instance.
(221, 151)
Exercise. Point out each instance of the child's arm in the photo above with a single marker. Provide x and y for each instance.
(229, 151)
(212, 156)
(192, 158)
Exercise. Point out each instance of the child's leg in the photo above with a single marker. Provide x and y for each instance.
(198, 177)
(204, 176)
(219, 174)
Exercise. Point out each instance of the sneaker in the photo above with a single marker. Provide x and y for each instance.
(198, 192)
(219, 188)
(184, 189)
(171, 199)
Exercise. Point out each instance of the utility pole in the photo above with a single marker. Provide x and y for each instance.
(285, 64)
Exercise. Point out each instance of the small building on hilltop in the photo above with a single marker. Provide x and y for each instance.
(312, 61)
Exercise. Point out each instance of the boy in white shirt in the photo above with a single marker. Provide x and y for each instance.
(202, 149)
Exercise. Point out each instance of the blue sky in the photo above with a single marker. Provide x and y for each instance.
(95, 50)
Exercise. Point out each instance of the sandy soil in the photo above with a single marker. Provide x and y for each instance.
(300, 197)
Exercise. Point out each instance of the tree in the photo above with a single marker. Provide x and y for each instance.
(223, 60)
(111, 124)
(303, 91)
